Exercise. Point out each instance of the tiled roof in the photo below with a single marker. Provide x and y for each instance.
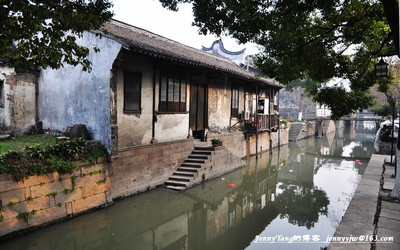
(145, 42)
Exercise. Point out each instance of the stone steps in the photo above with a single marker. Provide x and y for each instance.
(191, 165)
(198, 156)
(178, 188)
(179, 178)
(184, 173)
(194, 160)
(189, 169)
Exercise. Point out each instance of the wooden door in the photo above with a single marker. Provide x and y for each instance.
(198, 107)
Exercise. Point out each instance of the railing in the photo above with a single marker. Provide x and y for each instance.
(263, 123)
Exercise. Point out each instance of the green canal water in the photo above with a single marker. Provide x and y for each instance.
(293, 198)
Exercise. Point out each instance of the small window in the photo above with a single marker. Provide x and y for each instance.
(2, 95)
(132, 91)
(172, 94)
(235, 102)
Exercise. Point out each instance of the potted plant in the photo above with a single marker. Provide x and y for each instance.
(216, 142)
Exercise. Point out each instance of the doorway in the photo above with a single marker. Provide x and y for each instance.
(198, 107)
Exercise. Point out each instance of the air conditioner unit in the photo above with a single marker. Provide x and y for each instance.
(246, 115)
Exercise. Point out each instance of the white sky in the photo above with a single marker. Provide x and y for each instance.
(151, 16)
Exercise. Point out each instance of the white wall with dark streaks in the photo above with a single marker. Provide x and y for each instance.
(69, 95)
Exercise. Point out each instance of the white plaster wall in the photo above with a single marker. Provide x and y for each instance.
(70, 96)
(170, 127)
(6, 113)
(135, 129)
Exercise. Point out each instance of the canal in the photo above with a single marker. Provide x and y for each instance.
(293, 198)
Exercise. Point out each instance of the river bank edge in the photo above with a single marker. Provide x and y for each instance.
(365, 225)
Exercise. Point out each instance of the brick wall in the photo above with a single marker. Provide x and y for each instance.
(52, 197)
(144, 167)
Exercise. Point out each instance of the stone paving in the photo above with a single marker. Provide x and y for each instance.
(368, 216)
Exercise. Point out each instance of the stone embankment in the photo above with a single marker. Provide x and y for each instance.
(39, 200)
(370, 221)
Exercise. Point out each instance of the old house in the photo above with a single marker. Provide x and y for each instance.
(18, 105)
(151, 100)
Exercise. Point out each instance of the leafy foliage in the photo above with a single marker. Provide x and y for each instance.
(384, 110)
(317, 40)
(44, 32)
(19, 143)
(62, 157)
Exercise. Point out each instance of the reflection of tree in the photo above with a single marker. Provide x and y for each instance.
(366, 148)
(301, 205)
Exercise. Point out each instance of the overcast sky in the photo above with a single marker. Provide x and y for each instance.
(150, 15)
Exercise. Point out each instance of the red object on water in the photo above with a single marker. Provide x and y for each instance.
(357, 161)
(231, 185)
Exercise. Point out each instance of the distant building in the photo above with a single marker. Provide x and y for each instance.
(240, 58)
(289, 105)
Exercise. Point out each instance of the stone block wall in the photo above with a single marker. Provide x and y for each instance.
(281, 137)
(221, 161)
(240, 145)
(329, 126)
(144, 167)
(234, 141)
(300, 131)
(339, 124)
(43, 199)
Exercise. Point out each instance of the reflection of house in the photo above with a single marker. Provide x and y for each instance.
(146, 99)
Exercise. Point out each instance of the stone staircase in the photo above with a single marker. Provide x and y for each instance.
(189, 171)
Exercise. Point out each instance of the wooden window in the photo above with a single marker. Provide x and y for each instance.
(172, 94)
(132, 91)
(235, 102)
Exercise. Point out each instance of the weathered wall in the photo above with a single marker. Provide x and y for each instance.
(18, 104)
(52, 197)
(143, 167)
(70, 96)
(7, 103)
(24, 102)
(240, 145)
(219, 105)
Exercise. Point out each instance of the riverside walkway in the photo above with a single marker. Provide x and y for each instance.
(369, 215)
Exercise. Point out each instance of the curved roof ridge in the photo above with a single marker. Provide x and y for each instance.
(219, 41)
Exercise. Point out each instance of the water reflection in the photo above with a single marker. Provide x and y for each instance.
(301, 189)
